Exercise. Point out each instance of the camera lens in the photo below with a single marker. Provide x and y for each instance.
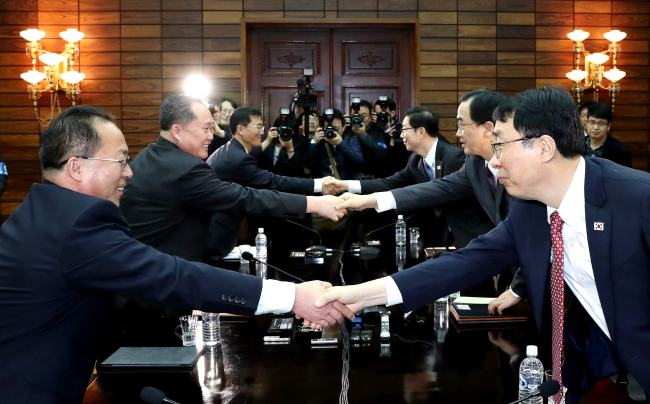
(356, 120)
(382, 119)
(285, 133)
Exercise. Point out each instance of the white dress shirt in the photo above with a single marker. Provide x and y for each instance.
(386, 200)
(276, 297)
(578, 272)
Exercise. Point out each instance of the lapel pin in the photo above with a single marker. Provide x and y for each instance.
(438, 167)
(599, 226)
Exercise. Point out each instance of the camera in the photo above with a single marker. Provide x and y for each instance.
(397, 132)
(356, 119)
(306, 96)
(284, 130)
(330, 130)
(383, 117)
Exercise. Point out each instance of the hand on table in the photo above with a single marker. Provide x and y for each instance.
(507, 299)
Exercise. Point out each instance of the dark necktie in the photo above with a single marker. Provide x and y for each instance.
(428, 170)
(490, 179)
(557, 300)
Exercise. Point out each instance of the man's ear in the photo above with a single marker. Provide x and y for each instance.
(489, 129)
(176, 131)
(73, 167)
(548, 148)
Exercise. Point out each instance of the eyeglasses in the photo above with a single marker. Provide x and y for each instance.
(227, 111)
(460, 125)
(258, 127)
(405, 129)
(600, 124)
(497, 149)
(123, 162)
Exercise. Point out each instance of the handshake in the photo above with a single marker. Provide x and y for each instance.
(321, 305)
(337, 207)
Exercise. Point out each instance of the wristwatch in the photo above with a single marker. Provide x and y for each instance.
(290, 151)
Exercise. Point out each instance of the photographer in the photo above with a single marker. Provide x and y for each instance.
(283, 155)
(384, 117)
(372, 139)
(221, 114)
(329, 153)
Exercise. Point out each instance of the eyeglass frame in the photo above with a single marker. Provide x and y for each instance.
(599, 124)
(412, 127)
(123, 162)
(460, 125)
(258, 127)
(497, 150)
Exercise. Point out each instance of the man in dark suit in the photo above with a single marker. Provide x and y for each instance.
(431, 160)
(599, 143)
(578, 228)
(66, 251)
(170, 200)
(233, 162)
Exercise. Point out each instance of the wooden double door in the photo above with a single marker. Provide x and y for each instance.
(349, 60)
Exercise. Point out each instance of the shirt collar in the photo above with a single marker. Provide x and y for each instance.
(493, 170)
(572, 207)
(431, 156)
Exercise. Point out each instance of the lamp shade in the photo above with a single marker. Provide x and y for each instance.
(71, 35)
(576, 75)
(32, 34)
(597, 58)
(615, 35)
(33, 76)
(73, 77)
(578, 35)
(51, 59)
(614, 75)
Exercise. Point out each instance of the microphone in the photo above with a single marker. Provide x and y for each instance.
(388, 225)
(249, 257)
(366, 252)
(152, 395)
(546, 389)
(319, 247)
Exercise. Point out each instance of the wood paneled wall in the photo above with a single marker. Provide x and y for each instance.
(136, 52)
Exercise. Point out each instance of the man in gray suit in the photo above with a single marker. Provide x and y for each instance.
(475, 178)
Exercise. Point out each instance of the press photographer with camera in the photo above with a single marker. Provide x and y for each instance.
(330, 153)
(384, 117)
(372, 140)
(221, 114)
(282, 149)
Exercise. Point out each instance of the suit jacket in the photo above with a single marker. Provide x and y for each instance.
(64, 255)
(232, 163)
(620, 255)
(452, 191)
(615, 150)
(171, 197)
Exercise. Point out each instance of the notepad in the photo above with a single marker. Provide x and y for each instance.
(152, 357)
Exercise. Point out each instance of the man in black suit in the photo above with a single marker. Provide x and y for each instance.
(373, 143)
(598, 141)
(234, 162)
(431, 160)
(66, 251)
(170, 200)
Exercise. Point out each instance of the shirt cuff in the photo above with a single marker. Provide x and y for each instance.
(513, 292)
(354, 186)
(318, 185)
(385, 201)
(393, 295)
(276, 297)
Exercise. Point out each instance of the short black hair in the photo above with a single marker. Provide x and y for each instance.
(545, 111)
(390, 104)
(336, 115)
(72, 133)
(230, 100)
(587, 105)
(600, 111)
(482, 104)
(242, 116)
(177, 109)
(422, 117)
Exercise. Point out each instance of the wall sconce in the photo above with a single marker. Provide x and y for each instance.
(594, 69)
(59, 68)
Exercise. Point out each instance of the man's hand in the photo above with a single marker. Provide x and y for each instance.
(324, 316)
(507, 299)
(319, 135)
(357, 202)
(356, 297)
(328, 186)
(335, 141)
(325, 206)
(217, 131)
(359, 131)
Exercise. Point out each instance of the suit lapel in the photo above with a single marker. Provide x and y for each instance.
(485, 197)
(538, 250)
(599, 240)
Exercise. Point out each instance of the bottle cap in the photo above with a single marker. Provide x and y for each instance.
(260, 230)
(531, 350)
(400, 217)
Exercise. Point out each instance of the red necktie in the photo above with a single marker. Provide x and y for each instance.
(557, 300)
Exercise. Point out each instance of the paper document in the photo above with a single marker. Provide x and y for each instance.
(473, 300)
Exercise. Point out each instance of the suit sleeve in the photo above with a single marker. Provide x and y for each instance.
(350, 149)
(368, 142)
(201, 189)
(99, 256)
(452, 187)
(249, 174)
(400, 179)
(484, 257)
(518, 285)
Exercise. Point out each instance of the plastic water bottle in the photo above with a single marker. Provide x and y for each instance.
(211, 329)
(454, 296)
(400, 231)
(261, 244)
(531, 374)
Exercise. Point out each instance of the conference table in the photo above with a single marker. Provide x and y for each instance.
(441, 363)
